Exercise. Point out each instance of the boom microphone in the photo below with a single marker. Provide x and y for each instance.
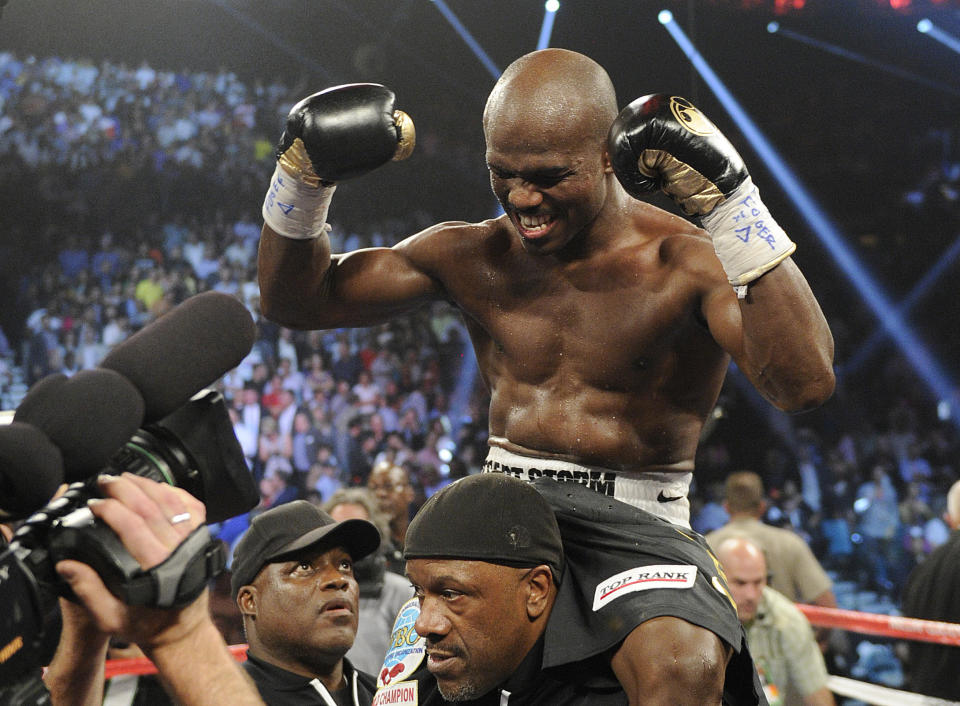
(31, 470)
(184, 351)
(88, 416)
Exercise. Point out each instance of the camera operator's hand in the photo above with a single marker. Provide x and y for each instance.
(140, 511)
(152, 519)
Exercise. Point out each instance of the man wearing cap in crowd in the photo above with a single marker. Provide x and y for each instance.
(292, 578)
(486, 562)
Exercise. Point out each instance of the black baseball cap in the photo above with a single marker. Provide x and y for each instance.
(489, 517)
(289, 528)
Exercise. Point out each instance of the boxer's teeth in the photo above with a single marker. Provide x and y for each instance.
(533, 222)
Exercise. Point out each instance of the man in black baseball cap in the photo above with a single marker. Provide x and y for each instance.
(292, 577)
(485, 559)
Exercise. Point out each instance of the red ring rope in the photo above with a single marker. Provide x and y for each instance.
(142, 665)
(885, 625)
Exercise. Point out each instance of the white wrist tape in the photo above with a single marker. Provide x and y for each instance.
(294, 209)
(747, 240)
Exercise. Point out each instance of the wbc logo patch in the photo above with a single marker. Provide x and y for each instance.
(407, 649)
(643, 578)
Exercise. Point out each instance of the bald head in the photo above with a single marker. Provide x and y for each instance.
(741, 551)
(953, 506)
(554, 87)
(746, 569)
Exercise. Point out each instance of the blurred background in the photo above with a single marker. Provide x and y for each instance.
(136, 141)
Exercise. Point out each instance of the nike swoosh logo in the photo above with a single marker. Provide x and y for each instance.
(661, 498)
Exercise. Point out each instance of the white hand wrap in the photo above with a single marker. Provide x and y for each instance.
(745, 237)
(294, 209)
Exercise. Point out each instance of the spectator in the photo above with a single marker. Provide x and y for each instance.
(391, 486)
(932, 593)
(367, 393)
(304, 445)
(361, 452)
(246, 438)
(323, 479)
(90, 351)
(150, 288)
(382, 592)
(879, 526)
(272, 442)
(712, 515)
(292, 578)
(395, 451)
(346, 365)
(275, 486)
(794, 570)
(781, 641)
(383, 368)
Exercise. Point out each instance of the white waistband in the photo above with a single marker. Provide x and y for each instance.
(660, 494)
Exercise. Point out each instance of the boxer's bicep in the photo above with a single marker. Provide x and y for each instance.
(369, 286)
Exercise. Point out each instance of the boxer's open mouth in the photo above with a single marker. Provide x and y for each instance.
(534, 225)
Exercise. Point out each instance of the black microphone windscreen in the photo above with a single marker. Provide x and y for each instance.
(89, 416)
(184, 351)
(31, 470)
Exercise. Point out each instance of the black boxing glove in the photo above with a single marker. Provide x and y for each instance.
(346, 131)
(663, 142)
(336, 134)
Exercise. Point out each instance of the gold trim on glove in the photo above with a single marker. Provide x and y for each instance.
(296, 163)
(695, 194)
(407, 135)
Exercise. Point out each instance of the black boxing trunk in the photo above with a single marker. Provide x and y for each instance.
(625, 566)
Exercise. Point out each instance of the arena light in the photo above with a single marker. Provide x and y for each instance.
(546, 29)
(925, 26)
(912, 347)
(465, 35)
(283, 45)
(919, 290)
(860, 58)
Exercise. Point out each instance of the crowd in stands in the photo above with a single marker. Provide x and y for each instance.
(119, 159)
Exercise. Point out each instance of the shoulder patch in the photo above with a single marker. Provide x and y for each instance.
(643, 578)
(407, 649)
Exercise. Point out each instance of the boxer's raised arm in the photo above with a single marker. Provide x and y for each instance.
(772, 326)
(303, 286)
(336, 134)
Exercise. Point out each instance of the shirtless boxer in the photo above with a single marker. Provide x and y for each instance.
(603, 325)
